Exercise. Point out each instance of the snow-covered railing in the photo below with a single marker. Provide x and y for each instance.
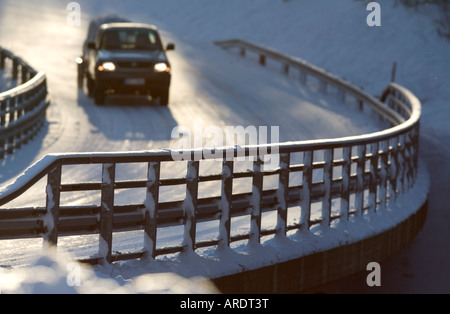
(345, 177)
(22, 109)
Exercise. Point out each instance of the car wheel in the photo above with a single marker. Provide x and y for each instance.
(90, 86)
(163, 96)
(80, 76)
(80, 81)
(99, 96)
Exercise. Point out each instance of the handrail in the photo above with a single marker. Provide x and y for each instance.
(22, 109)
(373, 170)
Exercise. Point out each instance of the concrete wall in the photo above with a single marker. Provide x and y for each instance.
(315, 273)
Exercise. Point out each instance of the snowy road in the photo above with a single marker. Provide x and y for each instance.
(209, 85)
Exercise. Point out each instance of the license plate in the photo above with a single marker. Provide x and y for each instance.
(135, 81)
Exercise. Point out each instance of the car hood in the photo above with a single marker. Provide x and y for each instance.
(132, 55)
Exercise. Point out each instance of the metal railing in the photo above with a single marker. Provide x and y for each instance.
(364, 173)
(22, 109)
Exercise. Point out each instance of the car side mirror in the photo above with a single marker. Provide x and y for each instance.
(91, 45)
(170, 47)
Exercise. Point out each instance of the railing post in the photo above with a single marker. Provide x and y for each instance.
(12, 117)
(52, 205)
(262, 60)
(10, 145)
(373, 182)
(283, 194)
(256, 201)
(360, 174)
(190, 205)
(2, 113)
(151, 208)
(411, 159)
(2, 59)
(393, 171)
(19, 114)
(360, 105)
(33, 101)
(226, 203)
(416, 143)
(327, 181)
(2, 147)
(24, 73)
(401, 174)
(345, 187)
(384, 174)
(2, 124)
(15, 69)
(12, 109)
(106, 211)
(305, 202)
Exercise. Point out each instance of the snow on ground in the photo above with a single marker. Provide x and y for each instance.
(53, 272)
(215, 86)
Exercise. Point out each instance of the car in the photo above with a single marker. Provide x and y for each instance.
(125, 58)
(94, 26)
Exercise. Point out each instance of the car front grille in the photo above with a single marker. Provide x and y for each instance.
(135, 65)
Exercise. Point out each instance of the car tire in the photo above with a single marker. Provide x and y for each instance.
(90, 86)
(99, 96)
(80, 81)
(163, 97)
(80, 76)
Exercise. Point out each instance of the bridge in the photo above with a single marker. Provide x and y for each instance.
(333, 205)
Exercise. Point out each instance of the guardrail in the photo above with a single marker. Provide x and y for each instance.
(365, 172)
(22, 109)
(318, 78)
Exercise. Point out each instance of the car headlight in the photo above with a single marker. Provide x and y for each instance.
(161, 67)
(107, 66)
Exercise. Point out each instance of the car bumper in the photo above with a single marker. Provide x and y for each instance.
(125, 82)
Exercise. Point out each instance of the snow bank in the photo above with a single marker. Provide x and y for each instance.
(53, 273)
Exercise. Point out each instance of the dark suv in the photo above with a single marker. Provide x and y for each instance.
(126, 58)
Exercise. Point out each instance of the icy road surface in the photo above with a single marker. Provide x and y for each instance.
(208, 84)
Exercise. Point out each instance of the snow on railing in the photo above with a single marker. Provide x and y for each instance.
(365, 173)
(22, 109)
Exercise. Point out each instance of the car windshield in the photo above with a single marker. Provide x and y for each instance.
(127, 39)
